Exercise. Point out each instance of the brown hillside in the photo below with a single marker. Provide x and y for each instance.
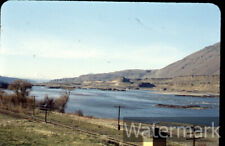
(203, 62)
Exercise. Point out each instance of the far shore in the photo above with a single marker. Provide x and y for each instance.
(155, 91)
(189, 94)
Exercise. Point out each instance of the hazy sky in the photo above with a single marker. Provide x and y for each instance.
(47, 40)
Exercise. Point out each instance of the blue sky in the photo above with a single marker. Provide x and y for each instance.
(48, 40)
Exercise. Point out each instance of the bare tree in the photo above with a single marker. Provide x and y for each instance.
(21, 88)
(60, 103)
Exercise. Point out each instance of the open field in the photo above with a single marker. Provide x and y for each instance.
(59, 130)
(16, 131)
(68, 129)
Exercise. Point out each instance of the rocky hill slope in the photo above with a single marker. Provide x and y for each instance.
(203, 62)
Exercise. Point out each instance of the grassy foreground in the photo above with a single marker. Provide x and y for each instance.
(20, 131)
(14, 131)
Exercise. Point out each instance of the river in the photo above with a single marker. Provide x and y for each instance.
(135, 103)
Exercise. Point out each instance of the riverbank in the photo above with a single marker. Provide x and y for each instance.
(152, 90)
(43, 133)
(174, 140)
(188, 94)
(196, 86)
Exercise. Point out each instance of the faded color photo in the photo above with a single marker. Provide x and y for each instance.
(109, 73)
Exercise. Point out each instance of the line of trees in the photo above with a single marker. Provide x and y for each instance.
(20, 98)
(22, 88)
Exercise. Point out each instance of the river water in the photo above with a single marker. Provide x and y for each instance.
(135, 103)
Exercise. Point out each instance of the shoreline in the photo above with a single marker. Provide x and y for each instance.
(108, 127)
(188, 94)
(113, 123)
(154, 91)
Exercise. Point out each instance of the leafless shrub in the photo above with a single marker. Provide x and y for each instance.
(20, 87)
(60, 103)
(47, 103)
(79, 113)
(12, 102)
(1, 94)
(18, 102)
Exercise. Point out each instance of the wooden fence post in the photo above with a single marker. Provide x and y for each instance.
(34, 106)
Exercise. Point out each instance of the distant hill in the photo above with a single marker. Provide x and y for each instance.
(131, 74)
(8, 80)
(203, 62)
(4, 79)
